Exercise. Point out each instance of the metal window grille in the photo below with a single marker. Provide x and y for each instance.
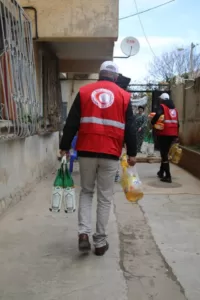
(50, 119)
(18, 101)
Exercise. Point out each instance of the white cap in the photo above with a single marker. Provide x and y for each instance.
(164, 96)
(109, 66)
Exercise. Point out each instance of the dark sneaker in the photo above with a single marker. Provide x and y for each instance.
(166, 179)
(102, 250)
(84, 243)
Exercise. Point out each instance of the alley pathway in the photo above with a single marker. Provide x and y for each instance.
(39, 258)
(173, 213)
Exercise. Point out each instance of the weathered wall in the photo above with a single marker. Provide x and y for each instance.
(187, 102)
(22, 162)
(74, 18)
(190, 161)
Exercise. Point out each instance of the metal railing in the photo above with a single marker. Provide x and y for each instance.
(18, 100)
(51, 94)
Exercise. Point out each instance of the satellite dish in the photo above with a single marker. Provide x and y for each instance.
(130, 46)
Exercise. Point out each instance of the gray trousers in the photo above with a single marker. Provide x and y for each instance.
(103, 172)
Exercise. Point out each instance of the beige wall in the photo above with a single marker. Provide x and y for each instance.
(71, 87)
(187, 102)
(63, 19)
(86, 66)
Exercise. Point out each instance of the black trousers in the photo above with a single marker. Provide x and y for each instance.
(165, 143)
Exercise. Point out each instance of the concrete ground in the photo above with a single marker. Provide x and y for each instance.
(173, 214)
(153, 247)
(39, 259)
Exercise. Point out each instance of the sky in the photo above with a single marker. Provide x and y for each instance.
(169, 27)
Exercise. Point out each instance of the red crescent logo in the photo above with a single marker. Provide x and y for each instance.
(103, 98)
(172, 113)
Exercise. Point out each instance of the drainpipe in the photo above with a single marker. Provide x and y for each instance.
(184, 114)
(36, 19)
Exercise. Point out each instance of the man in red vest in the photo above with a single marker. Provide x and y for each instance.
(167, 135)
(102, 114)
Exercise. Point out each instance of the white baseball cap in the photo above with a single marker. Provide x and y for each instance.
(109, 66)
(164, 96)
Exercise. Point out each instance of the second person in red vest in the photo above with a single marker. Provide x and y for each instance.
(167, 135)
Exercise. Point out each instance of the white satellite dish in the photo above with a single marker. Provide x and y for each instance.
(130, 46)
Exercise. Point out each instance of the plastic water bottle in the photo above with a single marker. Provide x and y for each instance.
(69, 199)
(56, 200)
(57, 191)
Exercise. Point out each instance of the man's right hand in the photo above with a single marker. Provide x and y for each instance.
(132, 160)
(63, 153)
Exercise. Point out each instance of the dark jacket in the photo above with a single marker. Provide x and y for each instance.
(73, 123)
(160, 110)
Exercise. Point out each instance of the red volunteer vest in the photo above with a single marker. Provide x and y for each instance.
(170, 122)
(102, 125)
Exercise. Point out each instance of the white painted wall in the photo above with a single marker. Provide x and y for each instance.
(22, 162)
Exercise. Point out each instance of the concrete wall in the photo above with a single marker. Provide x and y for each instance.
(74, 18)
(187, 102)
(22, 162)
(190, 161)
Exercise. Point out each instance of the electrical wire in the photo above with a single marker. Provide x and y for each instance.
(145, 35)
(147, 10)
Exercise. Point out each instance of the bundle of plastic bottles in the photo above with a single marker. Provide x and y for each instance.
(63, 192)
(130, 181)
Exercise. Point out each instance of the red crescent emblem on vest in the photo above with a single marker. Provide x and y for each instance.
(103, 98)
(172, 113)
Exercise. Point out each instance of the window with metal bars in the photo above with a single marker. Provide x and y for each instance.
(50, 92)
(18, 97)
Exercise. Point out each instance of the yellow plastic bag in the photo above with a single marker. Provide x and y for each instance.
(175, 153)
(131, 183)
(124, 163)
